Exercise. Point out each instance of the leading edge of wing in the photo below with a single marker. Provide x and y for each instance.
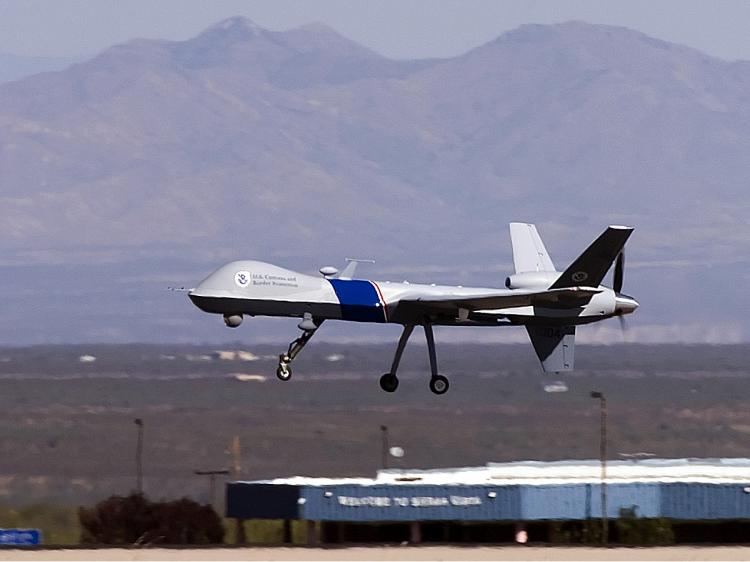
(569, 297)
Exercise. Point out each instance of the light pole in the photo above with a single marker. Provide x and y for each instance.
(212, 474)
(384, 445)
(139, 456)
(603, 459)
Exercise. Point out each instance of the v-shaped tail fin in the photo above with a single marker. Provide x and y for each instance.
(592, 265)
(555, 346)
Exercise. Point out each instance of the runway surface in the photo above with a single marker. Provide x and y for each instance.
(388, 553)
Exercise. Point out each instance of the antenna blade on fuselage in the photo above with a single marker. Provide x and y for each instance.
(348, 272)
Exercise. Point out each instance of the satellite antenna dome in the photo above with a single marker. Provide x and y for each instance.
(328, 271)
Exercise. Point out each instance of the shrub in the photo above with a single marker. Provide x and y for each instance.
(134, 519)
(636, 531)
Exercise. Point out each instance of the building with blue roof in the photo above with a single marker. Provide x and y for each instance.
(509, 495)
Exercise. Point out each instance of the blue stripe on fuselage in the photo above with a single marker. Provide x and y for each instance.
(359, 300)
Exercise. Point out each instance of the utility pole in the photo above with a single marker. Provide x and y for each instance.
(212, 474)
(235, 452)
(603, 459)
(139, 457)
(384, 445)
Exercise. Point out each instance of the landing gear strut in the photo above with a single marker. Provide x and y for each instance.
(389, 381)
(438, 383)
(309, 326)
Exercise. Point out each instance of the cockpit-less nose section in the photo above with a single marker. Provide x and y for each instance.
(549, 303)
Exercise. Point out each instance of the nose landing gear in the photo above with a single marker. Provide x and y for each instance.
(309, 326)
(284, 371)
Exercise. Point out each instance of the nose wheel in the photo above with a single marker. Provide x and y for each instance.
(309, 326)
(439, 384)
(284, 371)
(389, 382)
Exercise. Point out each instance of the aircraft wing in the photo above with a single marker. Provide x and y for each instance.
(568, 297)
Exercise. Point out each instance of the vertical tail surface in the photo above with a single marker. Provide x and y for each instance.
(529, 253)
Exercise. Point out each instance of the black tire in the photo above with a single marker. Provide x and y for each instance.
(439, 384)
(389, 382)
(284, 372)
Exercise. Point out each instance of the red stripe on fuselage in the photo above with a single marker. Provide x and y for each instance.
(382, 300)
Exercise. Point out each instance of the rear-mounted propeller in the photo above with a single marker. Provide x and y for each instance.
(623, 303)
(623, 324)
(618, 277)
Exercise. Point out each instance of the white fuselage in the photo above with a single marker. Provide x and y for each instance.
(258, 288)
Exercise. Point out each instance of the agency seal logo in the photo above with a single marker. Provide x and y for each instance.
(242, 278)
(580, 276)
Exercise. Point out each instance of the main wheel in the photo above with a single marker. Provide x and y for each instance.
(389, 382)
(439, 384)
(284, 371)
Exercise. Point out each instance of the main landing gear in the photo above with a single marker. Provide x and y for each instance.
(389, 381)
(308, 325)
(438, 383)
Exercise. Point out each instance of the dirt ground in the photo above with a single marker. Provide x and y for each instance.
(389, 553)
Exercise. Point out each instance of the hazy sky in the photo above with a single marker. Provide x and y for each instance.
(396, 28)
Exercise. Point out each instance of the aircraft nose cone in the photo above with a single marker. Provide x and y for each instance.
(625, 304)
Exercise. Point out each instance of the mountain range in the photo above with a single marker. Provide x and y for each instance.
(155, 161)
(15, 67)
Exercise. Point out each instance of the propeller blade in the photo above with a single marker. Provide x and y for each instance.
(623, 324)
(619, 267)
